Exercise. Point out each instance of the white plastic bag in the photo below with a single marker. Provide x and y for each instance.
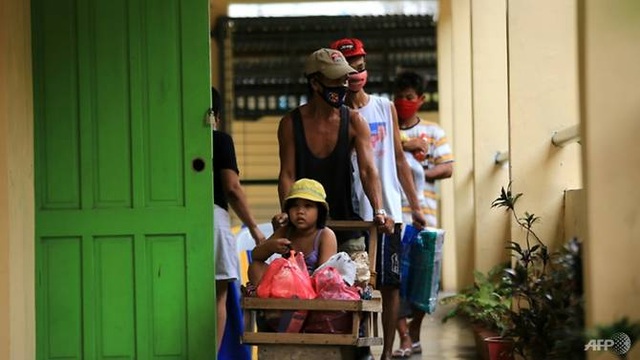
(345, 266)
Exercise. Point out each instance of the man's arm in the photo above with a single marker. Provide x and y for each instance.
(287, 175)
(360, 133)
(404, 173)
(238, 201)
(286, 178)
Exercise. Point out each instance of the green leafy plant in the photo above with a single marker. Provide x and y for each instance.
(546, 291)
(537, 300)
(486, 303)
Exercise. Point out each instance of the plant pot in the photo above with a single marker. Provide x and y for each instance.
(499, 348)
(480, 332)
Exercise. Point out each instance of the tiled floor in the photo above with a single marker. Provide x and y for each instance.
(452, 340)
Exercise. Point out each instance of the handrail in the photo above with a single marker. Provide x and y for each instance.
(501, 157)
(566, 136)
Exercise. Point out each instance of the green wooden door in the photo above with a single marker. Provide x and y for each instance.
(123, 221)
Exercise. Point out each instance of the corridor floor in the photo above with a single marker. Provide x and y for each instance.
(452, 340)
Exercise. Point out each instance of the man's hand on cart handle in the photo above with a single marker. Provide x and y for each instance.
(385, 223)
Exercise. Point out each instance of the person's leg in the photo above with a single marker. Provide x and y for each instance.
(388, 281)
(221, 309)
(403, 331)
(414, 328)
(390, 305)
(227, 265)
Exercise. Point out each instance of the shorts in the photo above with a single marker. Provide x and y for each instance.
(388, 258)
(224, 246)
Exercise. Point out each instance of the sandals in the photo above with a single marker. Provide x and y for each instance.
(401, 353)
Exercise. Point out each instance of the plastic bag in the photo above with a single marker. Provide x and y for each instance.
(329, 285)
(409, 236)
(343, 263)
(420, 267)
(287, 278)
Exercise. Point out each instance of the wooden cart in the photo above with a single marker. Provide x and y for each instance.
(281, 346)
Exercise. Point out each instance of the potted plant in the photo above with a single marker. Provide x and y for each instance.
(546, 291)
(537, 300)
(486, 305)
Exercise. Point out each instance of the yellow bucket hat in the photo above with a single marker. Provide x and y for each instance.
(308, 189)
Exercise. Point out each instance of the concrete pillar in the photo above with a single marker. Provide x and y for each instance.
(17, 253)
(610, 106)
(543, 98)
(445, 112)
(490, 129)
(462, 140)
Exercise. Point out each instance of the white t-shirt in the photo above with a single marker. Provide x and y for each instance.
(377, 113)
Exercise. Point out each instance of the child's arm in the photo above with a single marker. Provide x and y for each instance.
(276, 243)
(327, 247)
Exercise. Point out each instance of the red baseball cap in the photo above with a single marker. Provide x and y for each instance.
(349, 47)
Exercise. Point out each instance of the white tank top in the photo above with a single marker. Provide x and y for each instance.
(377, 112)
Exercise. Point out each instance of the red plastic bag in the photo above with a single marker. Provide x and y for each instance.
(287, 278)
(328, 284)
(284, 279)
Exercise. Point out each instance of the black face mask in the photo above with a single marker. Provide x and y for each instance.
(333, 95)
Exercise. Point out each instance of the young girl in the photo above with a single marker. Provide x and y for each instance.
(306, 232)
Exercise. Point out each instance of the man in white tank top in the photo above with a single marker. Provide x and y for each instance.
(395, 176)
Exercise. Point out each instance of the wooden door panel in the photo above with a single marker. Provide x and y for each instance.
(123, 223)
(60, 309)
(168, 298)
(113, 302)
(57, 113)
